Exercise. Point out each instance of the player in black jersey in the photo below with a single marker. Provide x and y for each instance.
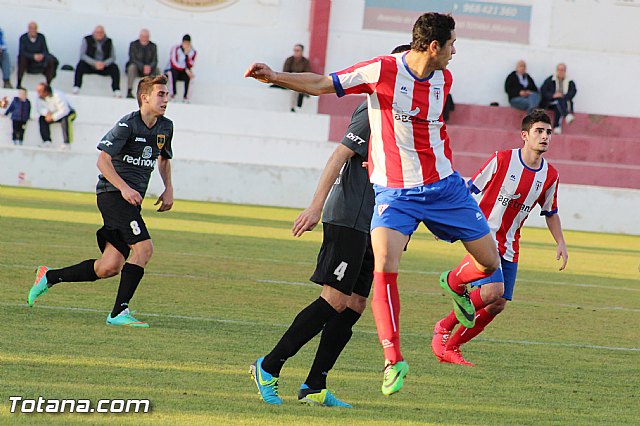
(344, 268)
(128, 154)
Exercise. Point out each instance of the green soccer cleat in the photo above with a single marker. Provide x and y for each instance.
(393, 377)
(462, 306)
(267, 384)
(40, 286)
(322, 398)
(126, 319)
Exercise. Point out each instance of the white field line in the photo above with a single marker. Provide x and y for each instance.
(269, 260)
(369, 332)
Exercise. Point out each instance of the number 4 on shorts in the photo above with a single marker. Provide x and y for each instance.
(340, 270)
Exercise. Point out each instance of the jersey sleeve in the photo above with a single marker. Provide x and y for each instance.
(357, 79)
(483, 177)
(167, 150)
(549, 200)
(115, 139)
(357, 135)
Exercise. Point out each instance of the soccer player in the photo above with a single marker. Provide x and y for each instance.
(412, 172)
(344, 268)
(128, 155)
(511, 182)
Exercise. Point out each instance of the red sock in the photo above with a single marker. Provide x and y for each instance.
(450, 321)
(466, 272)
(386, 312)
(463, 334)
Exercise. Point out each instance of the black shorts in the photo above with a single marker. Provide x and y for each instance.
(123, 224)
(345, 261)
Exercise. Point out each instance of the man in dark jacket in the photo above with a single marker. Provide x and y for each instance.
(143, 60)
(521, 89)
(97, 56)
(34, 56)
(557, 94)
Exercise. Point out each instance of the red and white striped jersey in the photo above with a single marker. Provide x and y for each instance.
(510, 190)
(409, 144)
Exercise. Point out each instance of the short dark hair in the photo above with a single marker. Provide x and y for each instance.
(300, 46)
(145, 86)
(535, 116)
(429, 27)
(186, 37)
(401, 48)
(46, 88)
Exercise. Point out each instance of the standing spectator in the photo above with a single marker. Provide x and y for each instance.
(54, 107)
(97, 56)
(5, 62)
(557, 94)
(34, 56)
(297, 63)
(522, 91)
(143, 60)
(20, 110)
(181, 60)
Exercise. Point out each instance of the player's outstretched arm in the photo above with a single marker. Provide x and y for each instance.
(166, 198)
(553, 223)
(305, 82)
(109, 172)
(309, 218)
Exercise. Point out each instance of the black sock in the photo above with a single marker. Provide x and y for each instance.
(304, 327)
(129, 279)
(335, 336)
(81, 272)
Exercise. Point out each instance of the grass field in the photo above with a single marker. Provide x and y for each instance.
(226, 280)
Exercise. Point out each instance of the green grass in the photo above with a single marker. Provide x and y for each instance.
(566, 351)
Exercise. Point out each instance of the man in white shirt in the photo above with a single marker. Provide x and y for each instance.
(54, 107)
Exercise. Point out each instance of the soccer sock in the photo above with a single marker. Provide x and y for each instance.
(450, 321)
(335, 336)
(463, 334)
(304, 327)
(81, 272)
(465, 272)
(129, 279)
(386, 312)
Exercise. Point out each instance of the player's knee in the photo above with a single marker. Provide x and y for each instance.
(492, 292)
(496, 307)
(357, 303)
(335, 298)
(143, 251)
(107, 270)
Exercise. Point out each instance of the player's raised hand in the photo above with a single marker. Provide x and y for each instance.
(561, 252)
(306, 221)
(131, 196)
(260, 72)
(165, 200)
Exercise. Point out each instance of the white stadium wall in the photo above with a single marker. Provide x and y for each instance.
(238, 143)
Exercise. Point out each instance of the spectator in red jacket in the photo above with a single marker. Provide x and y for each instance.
(181, 60)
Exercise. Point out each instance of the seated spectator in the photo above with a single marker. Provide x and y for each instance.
(297, 63)
(34, 56)
(557, 94)
(54, 107)
(181, 60)
(522, 91)
(97, 56)
(5, 62)
(143, 60)
(20, 110)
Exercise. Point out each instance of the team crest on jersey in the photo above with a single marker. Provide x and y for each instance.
(162, 139)
(382, 208)
(436, 93)
(538, 185)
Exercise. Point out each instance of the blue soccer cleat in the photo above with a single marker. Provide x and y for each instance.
(322, 398)
(267, 384)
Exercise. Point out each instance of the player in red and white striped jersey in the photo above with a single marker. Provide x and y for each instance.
(412, 171)
(511, 182)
